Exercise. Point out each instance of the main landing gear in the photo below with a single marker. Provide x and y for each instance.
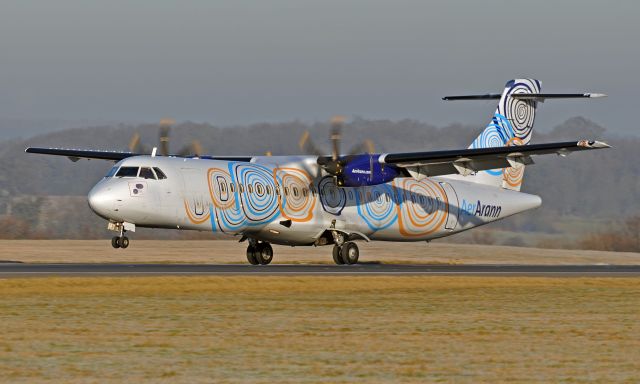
(348, 253)
(344, 252)
(259, 253)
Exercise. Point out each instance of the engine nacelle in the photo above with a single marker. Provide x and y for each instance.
(362, 170)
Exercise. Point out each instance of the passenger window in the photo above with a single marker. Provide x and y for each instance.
(127, 172)
(146, 173)
(160, 174)
(295, 191)
(249, 188)
(232, 187)
(112, 171)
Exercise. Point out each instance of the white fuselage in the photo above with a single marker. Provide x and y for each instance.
(284, 200)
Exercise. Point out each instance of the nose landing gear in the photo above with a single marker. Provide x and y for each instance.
(121, 241)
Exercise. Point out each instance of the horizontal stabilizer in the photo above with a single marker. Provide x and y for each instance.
(488, 96)
(538, 96)
(527, 96)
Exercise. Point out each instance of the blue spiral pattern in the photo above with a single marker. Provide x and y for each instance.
(257, 204)
(333, 198)
(376, 206)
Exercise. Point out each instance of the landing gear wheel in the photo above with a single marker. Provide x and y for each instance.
(337, 257)
(350, 253)
(264, 253)
(251, 255)
(115, 242)
(123, 242)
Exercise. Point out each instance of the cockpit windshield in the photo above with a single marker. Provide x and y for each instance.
(127, 172)
(146, 173)
(160, 174)
(112, 172)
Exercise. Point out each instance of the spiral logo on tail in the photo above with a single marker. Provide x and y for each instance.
(512, 176)
(520, 113)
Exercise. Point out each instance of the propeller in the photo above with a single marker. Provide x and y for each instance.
(136, 146)
(335, 164)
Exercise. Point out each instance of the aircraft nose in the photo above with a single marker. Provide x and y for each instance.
(101, 201)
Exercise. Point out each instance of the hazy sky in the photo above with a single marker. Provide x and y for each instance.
(237, 62)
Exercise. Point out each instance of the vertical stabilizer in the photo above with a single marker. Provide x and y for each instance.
(511, 124)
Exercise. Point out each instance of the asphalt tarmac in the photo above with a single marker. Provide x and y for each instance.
(9, 269)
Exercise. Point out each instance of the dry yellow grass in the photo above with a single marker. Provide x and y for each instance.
(225, 251)
(320, 329)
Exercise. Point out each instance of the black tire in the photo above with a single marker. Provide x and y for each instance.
(264, 253)
(350, 253)
(251, 255)
(337, 257)
(115, 242)
(123, 242)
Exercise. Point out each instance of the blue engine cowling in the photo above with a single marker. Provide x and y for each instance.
(362, 170)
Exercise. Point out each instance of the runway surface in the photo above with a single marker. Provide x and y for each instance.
(23, 270)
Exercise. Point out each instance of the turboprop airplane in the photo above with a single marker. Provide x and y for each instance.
(333, 200)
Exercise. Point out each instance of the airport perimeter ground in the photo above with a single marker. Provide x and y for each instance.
(266, 329)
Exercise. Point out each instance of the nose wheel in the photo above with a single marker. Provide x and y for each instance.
(259, 253)
(120, 242)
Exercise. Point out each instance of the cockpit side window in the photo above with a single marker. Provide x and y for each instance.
(160, 174)
(112, 171)
(127, 172)
(146, 173)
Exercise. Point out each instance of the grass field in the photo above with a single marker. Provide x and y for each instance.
(320, 329)
(226, 251)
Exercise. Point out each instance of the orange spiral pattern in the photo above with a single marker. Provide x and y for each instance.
(295, 200)
(513, 176)
(196, 210)
(423, 206)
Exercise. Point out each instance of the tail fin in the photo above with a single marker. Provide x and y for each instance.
(511, 124)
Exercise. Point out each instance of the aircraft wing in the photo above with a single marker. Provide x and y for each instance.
(468, 161)
(76, 154)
